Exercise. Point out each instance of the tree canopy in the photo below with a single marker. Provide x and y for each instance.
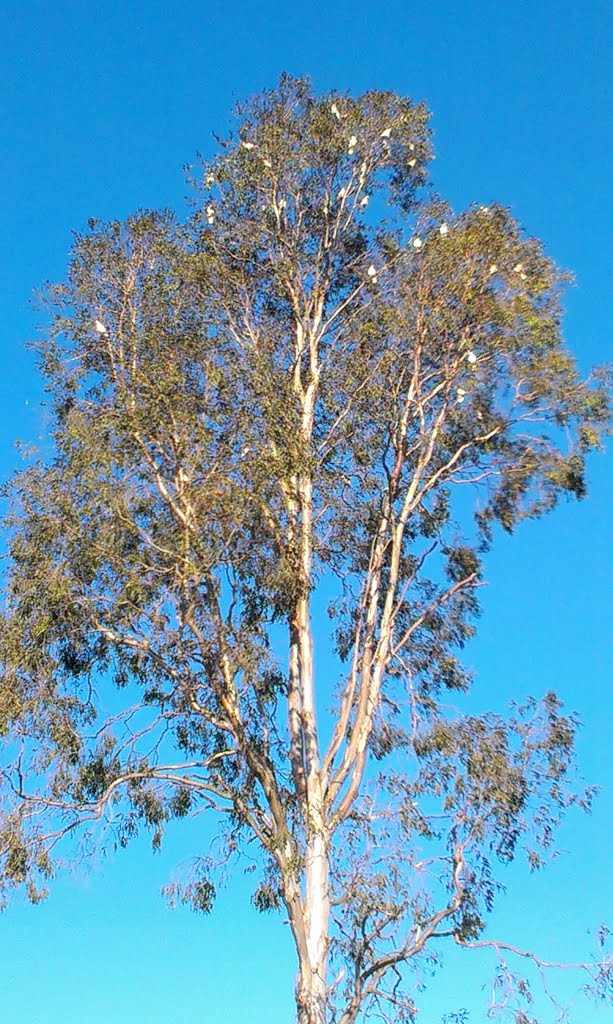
(316, 398)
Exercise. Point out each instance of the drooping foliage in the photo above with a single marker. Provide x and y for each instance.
(322, 390)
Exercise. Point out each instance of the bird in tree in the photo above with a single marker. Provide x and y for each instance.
(254, 438)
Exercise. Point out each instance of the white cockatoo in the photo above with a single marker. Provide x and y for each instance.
(210, 214)
(99, 327)
(444, 229)
(334, 110)
(385, 134)
(417, 243)
(472, 359)
(412, 162)
(493, 268)
(248, 145)
(372, 273)
(353, 141)
(364, 201)
(518, 268)
(461, 393)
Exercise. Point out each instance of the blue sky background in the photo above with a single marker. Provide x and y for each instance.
(101, 106)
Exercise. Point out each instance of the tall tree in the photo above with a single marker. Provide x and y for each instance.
(287, 403)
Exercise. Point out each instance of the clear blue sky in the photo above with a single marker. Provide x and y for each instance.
(102, 104)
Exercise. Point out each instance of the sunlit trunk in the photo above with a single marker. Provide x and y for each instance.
(311, 986)
(311, 990)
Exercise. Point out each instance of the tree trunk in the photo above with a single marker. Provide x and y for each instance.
(312, 987)
(311, 999)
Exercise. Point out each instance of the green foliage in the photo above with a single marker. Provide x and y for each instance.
(281, 402)
(267, 897)
(199, 892)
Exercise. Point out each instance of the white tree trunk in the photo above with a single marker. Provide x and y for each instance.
(311, 994)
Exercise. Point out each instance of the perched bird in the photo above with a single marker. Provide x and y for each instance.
(342, 192)
(493, 268)
(334, 110)
(353, 141)
(372, 273)
(99, 327)
(267, 163)
(412, 162)
(364, 201)
(472, 359)
(210, 214)
(417, 243)
(248, 145)
(461, 395)
(209, 180)
(518, 268)
(385, 134)
(443, 230)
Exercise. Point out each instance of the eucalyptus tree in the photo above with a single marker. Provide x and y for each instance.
(316, 399)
